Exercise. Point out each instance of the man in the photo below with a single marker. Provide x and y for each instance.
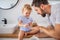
(42, 7)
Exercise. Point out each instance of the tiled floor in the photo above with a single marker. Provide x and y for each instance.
(26, 39)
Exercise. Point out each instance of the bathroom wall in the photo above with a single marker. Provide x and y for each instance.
(13, 14)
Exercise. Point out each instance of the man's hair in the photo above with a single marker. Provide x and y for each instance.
(27, 6)
(37, 3)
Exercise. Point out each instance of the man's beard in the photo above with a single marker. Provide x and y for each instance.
(43, 15)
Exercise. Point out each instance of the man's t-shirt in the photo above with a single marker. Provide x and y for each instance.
(55, 15)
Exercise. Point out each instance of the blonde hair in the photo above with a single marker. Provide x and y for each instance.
(27, 6)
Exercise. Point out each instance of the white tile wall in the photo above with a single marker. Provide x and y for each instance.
(12, 14)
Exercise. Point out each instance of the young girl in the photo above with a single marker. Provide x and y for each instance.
(25, 22)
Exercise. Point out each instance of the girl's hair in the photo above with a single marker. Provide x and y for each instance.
(27, 6)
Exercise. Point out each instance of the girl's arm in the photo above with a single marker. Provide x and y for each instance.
(21, 24)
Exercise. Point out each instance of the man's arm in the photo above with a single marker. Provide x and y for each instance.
(57, 29)
(50, 32)
(34, 30)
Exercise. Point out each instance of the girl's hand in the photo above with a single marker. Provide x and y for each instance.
(26, 25)
(26, 34)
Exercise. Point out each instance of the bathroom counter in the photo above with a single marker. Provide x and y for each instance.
(10, 36)
(15, 35)
(41, 35)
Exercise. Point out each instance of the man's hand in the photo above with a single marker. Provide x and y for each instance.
(34, 25)
(50, 28)
(42, 28)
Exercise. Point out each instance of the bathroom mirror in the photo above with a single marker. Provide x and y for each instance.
(8, 4)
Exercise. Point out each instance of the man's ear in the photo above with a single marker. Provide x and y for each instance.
(42, 6)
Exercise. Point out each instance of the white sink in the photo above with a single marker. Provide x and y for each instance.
(7, 29)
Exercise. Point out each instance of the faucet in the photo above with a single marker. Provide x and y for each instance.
(4, 20)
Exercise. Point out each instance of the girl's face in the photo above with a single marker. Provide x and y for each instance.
(26, 12)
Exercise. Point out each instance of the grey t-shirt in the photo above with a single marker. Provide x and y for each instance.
(55, 14)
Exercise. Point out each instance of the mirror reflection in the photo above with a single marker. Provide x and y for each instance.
(8, 4)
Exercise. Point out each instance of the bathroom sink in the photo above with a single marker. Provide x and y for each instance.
(7, 29)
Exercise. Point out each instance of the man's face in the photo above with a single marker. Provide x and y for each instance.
(47, 8)
(43, 10)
